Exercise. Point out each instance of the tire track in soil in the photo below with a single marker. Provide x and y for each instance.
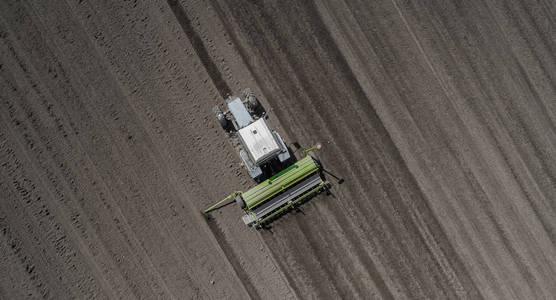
(261, 81)
(388, 239)
(470, 178)
(521, 121)
(131, 176)
(77, 97)
(196, 149)
(309, 239)
(233, 259)
(199, 46)
(224, 90)
(307, 86)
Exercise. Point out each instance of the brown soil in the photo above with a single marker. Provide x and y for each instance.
(440, 116)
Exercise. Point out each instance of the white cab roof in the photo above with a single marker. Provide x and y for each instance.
(259, 141)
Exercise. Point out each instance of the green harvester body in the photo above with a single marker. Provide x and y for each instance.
(279, 182)
(280, 192)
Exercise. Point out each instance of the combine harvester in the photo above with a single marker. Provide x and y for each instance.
(282, 184)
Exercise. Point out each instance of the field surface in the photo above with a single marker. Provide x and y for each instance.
(439, 116)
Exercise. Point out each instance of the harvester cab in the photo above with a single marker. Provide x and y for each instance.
(261, 149)
(282, 182)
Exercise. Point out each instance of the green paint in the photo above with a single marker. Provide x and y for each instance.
(294, 166)
(268, 189)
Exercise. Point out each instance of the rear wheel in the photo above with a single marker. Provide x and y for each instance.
(221, 118)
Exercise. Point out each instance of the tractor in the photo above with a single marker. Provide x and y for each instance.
(282, 182)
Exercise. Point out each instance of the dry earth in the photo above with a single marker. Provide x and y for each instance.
(439, 115)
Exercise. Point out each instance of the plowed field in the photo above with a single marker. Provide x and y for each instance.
(439, 116)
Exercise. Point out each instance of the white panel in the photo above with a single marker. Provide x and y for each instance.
(259, 141)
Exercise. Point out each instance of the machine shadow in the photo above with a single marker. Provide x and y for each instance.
(326, 172)
(297, 207)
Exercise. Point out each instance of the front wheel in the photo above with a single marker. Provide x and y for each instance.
(221, 117)
(252, 101)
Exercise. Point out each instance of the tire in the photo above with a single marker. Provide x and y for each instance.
(252, 101)
(221, 118)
